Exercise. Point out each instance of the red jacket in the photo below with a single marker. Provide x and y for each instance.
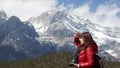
(86, 58)
(77, 43)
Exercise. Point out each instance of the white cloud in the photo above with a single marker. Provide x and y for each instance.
(25, 9)
(106, 15)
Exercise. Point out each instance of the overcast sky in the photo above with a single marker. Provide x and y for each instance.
(103, 12)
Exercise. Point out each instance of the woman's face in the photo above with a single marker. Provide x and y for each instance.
(82, 41)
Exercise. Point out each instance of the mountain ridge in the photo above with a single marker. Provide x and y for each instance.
(52, 32)
(63, 22)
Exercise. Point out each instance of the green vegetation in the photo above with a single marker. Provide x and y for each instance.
(110, 64)
(59, 60)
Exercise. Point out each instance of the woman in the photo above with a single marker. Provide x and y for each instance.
(77, 43)
(86, 52)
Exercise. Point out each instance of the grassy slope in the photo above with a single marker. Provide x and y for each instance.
(59, 60)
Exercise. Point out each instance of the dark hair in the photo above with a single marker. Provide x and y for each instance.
(86, 36)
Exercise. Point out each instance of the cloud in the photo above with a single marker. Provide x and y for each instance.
(25, 9)
(105, 15)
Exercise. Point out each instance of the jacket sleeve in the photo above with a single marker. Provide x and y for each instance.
(76, 41)
(89, 58)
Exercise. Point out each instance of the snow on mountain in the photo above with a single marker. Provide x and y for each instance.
(3, 16)
(52, 31)
(59, 27)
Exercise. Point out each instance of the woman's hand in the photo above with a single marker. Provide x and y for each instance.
(76, 65)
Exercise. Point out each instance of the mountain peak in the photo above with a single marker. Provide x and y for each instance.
(58, 12)
(13, 22)
(3, 16)
(14, 19)
(61, 24)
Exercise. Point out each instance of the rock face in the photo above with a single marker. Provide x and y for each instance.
(19, 41)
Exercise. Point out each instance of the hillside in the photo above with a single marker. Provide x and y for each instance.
(59, 60)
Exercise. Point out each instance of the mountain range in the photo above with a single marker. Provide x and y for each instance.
(52, 32)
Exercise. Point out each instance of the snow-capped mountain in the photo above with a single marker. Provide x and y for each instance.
(50, 32)
(59, 27)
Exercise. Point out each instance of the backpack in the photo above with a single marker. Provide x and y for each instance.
(97, 61)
